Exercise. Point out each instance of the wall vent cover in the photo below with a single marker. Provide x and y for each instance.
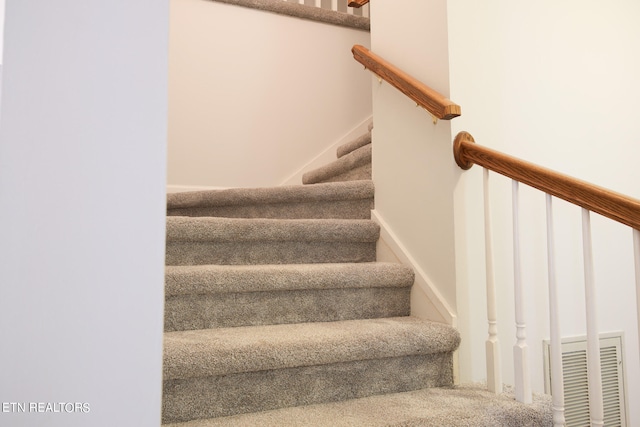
(576, 391)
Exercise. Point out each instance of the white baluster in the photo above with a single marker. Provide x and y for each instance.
(520, 349)
(366, 12)
(350, 10)
(636, 252)
(301, 1)
(334, 5)
(593, 342)
(319, 3)
(492, 346)
(557, 378)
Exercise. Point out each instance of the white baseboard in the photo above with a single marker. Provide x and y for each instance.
(426, 300)
(184, 188)
(329, 154)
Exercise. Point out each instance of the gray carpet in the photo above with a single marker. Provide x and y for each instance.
(346, 200)
(217, 296)
(465, 406)
(209, 240)
(277, 314)
(354, 145)
(355, 165)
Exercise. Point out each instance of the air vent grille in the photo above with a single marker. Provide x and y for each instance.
(576, 388)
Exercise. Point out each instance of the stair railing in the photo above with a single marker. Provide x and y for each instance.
(590, 198)
(357, 3)
(353, 7)
(435, 103)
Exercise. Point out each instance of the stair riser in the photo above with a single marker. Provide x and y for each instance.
(343, 209)
(259, 252)
(188, 312)
(259, 391)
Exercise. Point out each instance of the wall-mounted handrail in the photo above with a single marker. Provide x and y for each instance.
(437, 104)
(357, 3)
(616, 206)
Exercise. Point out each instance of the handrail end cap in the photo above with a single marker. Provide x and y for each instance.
(458, 150)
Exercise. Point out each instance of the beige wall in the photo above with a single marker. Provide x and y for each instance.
(414, 185)
(255, 95)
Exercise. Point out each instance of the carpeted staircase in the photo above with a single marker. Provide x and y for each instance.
(277, 314)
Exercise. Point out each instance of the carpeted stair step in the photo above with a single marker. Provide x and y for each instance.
(227, 371)
(464, 406)
(207, 240)
(351, 167)
(349, 147)
(218, 296)
(348, 200)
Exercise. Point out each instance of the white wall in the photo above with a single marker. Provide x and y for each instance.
(82, 190)
(1, 41)
(2, 2)
(554, 83)
(414, 187)
(256, 95)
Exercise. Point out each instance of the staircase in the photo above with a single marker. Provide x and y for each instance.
(277, 314)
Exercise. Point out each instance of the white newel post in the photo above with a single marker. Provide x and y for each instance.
(520, 349)
(596, 404)
(492, 348)
(557, 377)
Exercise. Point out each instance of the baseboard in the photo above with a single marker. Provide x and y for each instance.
(184, 188)
(329, 154)
(426, 300)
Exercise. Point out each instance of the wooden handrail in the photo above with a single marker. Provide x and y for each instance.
(422, 94)
(616, 206)
(357, 3)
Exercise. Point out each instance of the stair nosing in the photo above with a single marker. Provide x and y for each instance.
(224, 351)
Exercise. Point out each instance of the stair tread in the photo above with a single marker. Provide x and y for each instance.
(347, 148)
(348, 190)
(203, 279)
(201, 229)
(461, 406)
(209, 352)
(357, 158)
